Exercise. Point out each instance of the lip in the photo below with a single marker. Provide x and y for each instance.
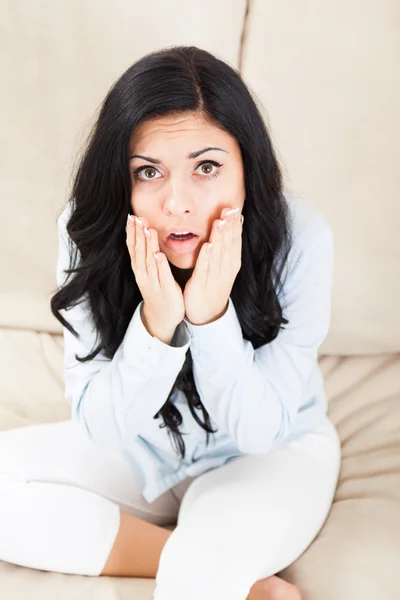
(181, 247)
(180, 229)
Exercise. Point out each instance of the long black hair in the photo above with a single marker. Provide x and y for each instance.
(172, 81)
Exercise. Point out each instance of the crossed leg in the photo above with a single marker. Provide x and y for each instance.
(249, 519)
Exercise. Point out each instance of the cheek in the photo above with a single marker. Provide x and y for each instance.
(212, 216)
(133, 204)
(139, 206)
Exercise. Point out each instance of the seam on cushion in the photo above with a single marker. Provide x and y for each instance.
(243, 36)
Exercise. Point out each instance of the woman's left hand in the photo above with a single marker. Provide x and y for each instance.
(206, 294)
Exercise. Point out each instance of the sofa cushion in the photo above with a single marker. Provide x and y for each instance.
(356, 551)
(356, 554)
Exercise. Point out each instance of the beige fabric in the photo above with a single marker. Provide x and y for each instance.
(329, 88)
(328, 80)
(359, 545)
(327, 76)
(57, 62)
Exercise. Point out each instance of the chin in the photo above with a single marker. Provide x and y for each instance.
(183, 261)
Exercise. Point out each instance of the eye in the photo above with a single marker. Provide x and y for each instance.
(137, 171)
(214, 163)
(146, 168)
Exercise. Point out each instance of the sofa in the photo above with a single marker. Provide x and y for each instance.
(326, 77)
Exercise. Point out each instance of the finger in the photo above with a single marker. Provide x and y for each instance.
(214, 269)
(165, 278)
(131, 239)
(228, 238)
(233, 217)
(151, 241)
(231, 250)
(237, 241)
(235, 223)
(201, 269)
(226, 250)
(227, 259)
(140, 248)
(225, 211)
(229, 217)
(167, 281)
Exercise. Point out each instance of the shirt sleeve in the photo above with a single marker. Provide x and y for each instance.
(113, 399)
(254, 395)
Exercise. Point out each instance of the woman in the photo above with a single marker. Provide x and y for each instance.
(181, 320)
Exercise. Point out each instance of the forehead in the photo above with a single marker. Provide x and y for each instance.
(181, 129)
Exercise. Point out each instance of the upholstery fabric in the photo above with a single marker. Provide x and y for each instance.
(326, 78)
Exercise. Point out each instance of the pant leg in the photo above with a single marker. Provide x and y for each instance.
(250, 519)
(61, 496)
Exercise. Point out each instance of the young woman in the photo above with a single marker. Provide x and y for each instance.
(191, 343)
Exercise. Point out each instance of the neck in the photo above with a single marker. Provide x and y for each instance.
(181, 276)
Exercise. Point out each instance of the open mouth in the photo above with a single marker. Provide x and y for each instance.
(182, 243)
(181, 237)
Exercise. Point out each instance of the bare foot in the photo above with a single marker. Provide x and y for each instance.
(274, 588)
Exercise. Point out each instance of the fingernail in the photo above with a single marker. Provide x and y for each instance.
(139, 222)
(231, 211)
(147, 233)
(130, 221)
(221, 224)
(242, 217)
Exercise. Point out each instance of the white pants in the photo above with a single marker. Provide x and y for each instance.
(61, 496)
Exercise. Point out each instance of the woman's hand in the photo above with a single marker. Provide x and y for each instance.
(163, 306)
(207, 292)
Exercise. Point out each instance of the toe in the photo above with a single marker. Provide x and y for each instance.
(274, 588)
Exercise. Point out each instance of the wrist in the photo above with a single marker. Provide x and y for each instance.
(162, 331)
(210, 319)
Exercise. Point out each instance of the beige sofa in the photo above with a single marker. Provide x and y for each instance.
(327, 79)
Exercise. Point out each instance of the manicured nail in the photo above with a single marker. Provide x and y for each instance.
(221, 224)
(147, 233)
(130, 221)
(233, 210)
(140, 223)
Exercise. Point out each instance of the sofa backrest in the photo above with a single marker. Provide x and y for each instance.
(328, 77)
(325, 76)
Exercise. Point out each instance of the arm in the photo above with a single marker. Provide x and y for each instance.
(254, 395)
(114, 399)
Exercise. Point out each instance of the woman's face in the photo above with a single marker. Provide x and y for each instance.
(176, 190)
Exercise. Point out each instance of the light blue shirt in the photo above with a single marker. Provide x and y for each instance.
(258, 399)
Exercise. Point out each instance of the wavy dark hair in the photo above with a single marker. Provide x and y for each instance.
(172, 81)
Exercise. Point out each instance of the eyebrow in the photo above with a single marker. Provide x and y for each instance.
(191, 155)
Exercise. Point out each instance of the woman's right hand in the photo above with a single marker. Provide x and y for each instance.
(163, 307)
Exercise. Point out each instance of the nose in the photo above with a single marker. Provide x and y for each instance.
(179, 200)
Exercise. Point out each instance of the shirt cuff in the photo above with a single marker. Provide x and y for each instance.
(219, 344)
(150, 354)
